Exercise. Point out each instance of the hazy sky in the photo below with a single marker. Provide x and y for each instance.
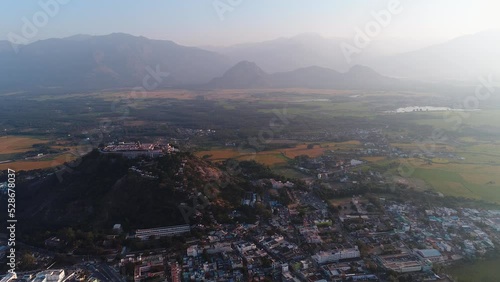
(197, 22)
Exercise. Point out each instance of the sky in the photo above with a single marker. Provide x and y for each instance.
(226, 22)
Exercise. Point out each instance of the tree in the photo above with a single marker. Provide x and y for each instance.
(438, 268)
(266, 262)
(372, 266)
(393, 278)
(28, 262)
(68, 234)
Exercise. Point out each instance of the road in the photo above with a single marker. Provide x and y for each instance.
(111, 273)
(102, 272)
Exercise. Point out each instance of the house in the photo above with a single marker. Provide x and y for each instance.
(431, 254)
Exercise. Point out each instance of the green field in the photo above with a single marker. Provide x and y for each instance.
(465, 164)
(475, 180)
(454, 120)
(483, 271)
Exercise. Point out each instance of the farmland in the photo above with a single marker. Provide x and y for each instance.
(277, 156)
(487, 271)
(18, 144)
(475, 177)
(316, 122)
(23, 153)
(472, 172)
(43, 163)
(462, 180)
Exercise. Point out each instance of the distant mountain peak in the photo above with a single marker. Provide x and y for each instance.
(360, 69)
(116, 60)
(78, 37)
(245, 67)
(463, 58)
(244, 74)
(308, 35)
(245, 63)
(315, 69)
(247, 74)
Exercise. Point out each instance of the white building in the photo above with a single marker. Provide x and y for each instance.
(3, 251)
(192, 251)
(284, 268)
(52, 275)
(334, 256)
(430, 254)
(356, 162)
(245, 247)
(145, 234)
(219, 248)
(117, 228)
(9, 277)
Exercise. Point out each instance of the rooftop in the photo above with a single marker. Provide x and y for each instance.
(429, 253)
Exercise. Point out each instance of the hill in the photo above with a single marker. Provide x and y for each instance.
(105, 189)
(463, 58)
(248, 75)
(86, 63)
(102, 190)
(242, 75)
(117, 60)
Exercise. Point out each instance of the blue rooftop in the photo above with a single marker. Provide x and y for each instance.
(429, 253)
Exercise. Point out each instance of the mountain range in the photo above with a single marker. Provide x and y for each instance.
(84, 62)
(463, 58)
(111, 61)
(248, 75)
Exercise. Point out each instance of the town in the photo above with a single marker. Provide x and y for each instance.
(306, 235)
(242, 141)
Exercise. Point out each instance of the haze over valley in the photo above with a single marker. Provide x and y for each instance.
(250, 140)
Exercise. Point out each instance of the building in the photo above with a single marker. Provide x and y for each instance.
(9, 277)
(356, 162)
(150, 268)
(193, 251)
(284, 268)
(134, 150)
(117, 228)
(401, 263)
(145, 234)
(51, 275)
(245, 247)
(334, 256)
(175, 272)
(218, 248)
(54, 242)
(431, 254)
(3, 251)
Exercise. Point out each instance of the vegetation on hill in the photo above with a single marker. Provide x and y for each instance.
(106, 189)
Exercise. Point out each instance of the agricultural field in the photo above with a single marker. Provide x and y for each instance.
(268, 158)
(484, 271)
(18, 144)
(14, 151)
(271, 159)
(303, 149)
(456, 120)
(474, 173)
(347, 145)
(374, 159)
(277, 156)
(42, 163)
(469, 180)
(467, 164)
(415, 147)
(276, 95)
(288, 172)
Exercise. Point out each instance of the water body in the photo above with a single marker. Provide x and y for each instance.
(312, 100)
(412, 109)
